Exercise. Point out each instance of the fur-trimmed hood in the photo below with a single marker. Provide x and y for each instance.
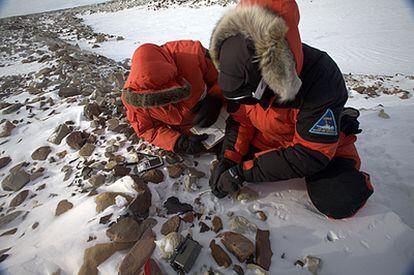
(268, 31)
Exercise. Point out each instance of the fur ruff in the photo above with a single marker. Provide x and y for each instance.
(158, 98)
(267, 30)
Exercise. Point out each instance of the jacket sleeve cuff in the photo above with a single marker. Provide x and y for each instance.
(236, 157)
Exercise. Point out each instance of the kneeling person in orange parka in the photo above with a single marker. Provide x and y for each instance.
(170, 89)
(286, 103)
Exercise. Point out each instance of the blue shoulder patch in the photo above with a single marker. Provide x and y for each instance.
(326, 125)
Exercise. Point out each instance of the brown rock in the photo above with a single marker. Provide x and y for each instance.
(155, 176)
(175, 170)
(261, 215)
(60, 133)
(69, 92)
(196, 173)
(19, 198)
(203, 227)
(9, 232)
(62, 207)
(105, 219)
(189, 217)
(125, 231)
(121, 170)
(76, 140)
(35, 225)
(142, 202)
(238, 269)
(91, 110)
(6, 128)
(263, 249)
(41, 153)
(97, 180)
(172, 225)
(16, 180)
(97, 254)
(217, 224)
(107, 199)
(4, 161)
(238, 245)
(87, 150)
(138, 255)
(219, 255)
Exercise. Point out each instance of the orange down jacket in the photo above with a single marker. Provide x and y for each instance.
(164, 84)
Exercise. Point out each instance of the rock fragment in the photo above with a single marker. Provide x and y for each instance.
(59, 134)
(97, 180)
(92, 110)
(4, 161)
(62, 207)
(247, 194)
(175, 170)
(19, 198)
(139, 207)
(173, 206)
(171, 225)
(69, 92)
(5, 220)
(219, 255)
(107, 199)
(87, 150)
(6, 128)
(76, 140)
(125, 231)
(155, 176)
(16, 180)
(41, 153)
(238, 269)
(263, 249)
(241, 225)
(203, 227)
(238, 245)
(169, 243)
(217, 224)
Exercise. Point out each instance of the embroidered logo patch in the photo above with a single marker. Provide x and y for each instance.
(326, 125)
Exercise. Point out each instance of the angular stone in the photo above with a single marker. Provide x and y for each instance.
(9, 232)
(263, 249)
(6, 128)
(4, 161)
(383, 114)
(219, 255)
(62, 207)
(172, 225)
(97, 180)
(12, 108)
(121, 170)
(142, 202)
(175, 170)
(59, 134)
(16, 180)
(203, 227)
(91, 110)
(261, 215)
(76, 140)
(217, 224)
(146, 224)
(189, 217)
(69, 92)
(241, 225)
(168, 244)
(87, 150)
(41, 153)
(155, 176)
(247, 194)
(196, 173)
(238, 269)
(174, 206)
(106, 199)
(105, 219)
(98, 254)
(19, 198)
(238, 245)
(138, 255)
(125, 231)
(9, 218)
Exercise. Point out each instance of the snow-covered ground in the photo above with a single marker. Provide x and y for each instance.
(21, 7)
(378, 240)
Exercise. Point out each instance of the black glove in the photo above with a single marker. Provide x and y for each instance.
(349, 121)
(206, 111)
(221, 167)
(231, 180)
(190, 144)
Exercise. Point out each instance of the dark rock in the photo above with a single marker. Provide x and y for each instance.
(189, 217)
(4, 161)
(196, 173)
(155, 176)
(16, 180)
(69, 92)
(9, 232)
(41, 187)
(174, 206)
(35, 225)
(76, 140)
(219, 255)
(67, 170)
(60, 133)
(142, 202)
(5, 220)
(3, 257)
(19, 198)
(105, 219)
(238, 245)
(217, 224)
(125, 231)
(146, 224)
(121, 170)
(175, 170)
(238, 269)
(107, 199)
(62, 207)
(203, 227)
(172, 225)
(97, 180)
(172, 158)
(92, 110)
(87, 150)
(263, 249)
(6, 128)
(37, 174)
(12, 108)
(41, 153)
(138, 255)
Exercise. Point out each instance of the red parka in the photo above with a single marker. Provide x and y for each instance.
(164, 84)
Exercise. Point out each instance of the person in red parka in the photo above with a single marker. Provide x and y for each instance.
(170, 89)
(286, 101)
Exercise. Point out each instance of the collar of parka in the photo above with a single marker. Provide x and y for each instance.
(267, 30)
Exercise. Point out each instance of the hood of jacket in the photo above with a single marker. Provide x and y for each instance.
(154, 80)
(273, 28)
